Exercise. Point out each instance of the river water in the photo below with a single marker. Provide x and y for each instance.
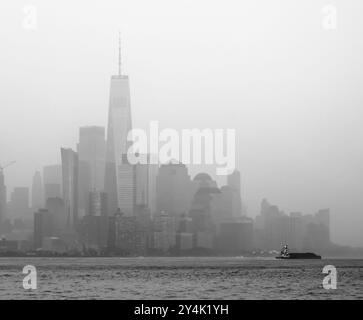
(179, 278)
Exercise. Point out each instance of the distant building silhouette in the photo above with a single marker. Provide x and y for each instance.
(131, 235)
(153, 170)
(202, 180)
(201, 212)
(91, 149)
(234, 180)
(18, 206)
(70, 186)
(226, 205)
(91, 155)
(127, 187)
(55, 207)
(37, 197)
(93, 232)
(296, 231)
(43, 227)
(52, 181)
(273, 229)
(236, 237)
(164, 232)
(98, 203)
(173, 189)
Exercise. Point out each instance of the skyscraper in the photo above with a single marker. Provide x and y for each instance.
(55, 206)
(146, 174)
(3, 194)
(19, 204)
(70, 186)
(43, 227)
(127, 187)
(119, 125)
(153, 173)
(134, 182)
(91, 155)
(37, 201)
(322, 219)
(226, 205)
(91, 150)
(234, 180)
(52, 181)
(174, 192)
(234, 184)
(98, 204)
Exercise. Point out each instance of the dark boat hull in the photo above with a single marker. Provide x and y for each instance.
(305, 255)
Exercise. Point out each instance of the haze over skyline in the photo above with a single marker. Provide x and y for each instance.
(291, 89)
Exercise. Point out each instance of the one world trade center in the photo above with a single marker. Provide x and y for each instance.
(119, 125)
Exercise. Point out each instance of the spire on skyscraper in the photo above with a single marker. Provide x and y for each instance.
(119, 125)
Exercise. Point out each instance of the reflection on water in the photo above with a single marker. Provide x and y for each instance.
(179, 278)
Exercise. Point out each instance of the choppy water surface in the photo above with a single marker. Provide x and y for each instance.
(179, 278)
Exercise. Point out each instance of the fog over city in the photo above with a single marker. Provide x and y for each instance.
(290, 88)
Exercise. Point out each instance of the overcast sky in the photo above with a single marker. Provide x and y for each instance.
(291, 89)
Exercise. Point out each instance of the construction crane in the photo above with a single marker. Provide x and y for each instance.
(6, 165)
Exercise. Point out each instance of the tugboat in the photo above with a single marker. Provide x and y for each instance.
(285, 254)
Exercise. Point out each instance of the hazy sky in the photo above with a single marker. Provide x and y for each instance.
(291, 89)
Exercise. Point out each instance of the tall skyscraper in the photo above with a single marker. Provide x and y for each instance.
(37, 201)
(70, 186)
(119, 125)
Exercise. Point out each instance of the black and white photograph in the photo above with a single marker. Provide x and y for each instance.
(161, 151)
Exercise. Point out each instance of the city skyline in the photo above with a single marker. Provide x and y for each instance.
(181, 157)
(318, 175)
(109, 206)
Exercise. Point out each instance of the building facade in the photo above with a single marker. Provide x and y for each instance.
(70, 186)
